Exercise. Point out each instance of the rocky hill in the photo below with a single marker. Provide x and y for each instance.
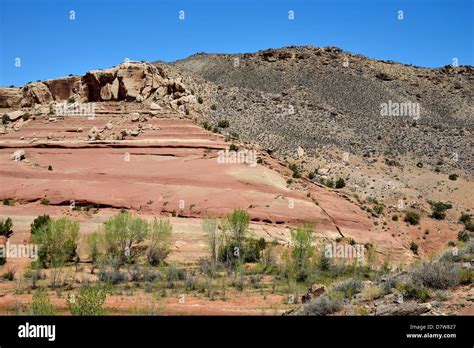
(315, 98)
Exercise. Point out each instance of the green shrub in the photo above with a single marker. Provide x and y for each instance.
(223, 123)
(159, 235)
(414, 291)
(7, 201)
(439, 210)
(302, 249)
(213, 107)
(395, 218)
(340, 183)
(453, 177)
(5, 119)
(200, 100)
(463, 236)
(44, 201)
(465, 218)
(233, 147)
(413, 218)
(26, 116)
(296, 171)
(6, 227)
(329, 183)
(89, 302)
(414, 248)
(41, 304)
(57, 242)
(39, 222)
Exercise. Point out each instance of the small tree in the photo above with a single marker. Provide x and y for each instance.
(210, 228)
(302, 249)
(39, 222)
(159, 233)
(6, 227)
(120, 235)
(238, 223)
(57, 240)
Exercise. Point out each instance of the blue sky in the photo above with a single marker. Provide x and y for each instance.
(105, 32)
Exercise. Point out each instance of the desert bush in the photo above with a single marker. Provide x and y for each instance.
(39, 222)
(465, 218)
(159, 234)
(223, 123)
(89, 302)
(44, 201)
(323, 305)
(389, 284)
(10, 273)
(453, 177)
(57, 242)
(463, 236)
(349, 287)
(112, 277)
(372, 292)
(302, 249)
(436, 274)
(340, 183)
(439, 210)
(295, 169)
(414, 248)
(6, 227)
(395, 217)
(7, 201)
(41, 304)
(413, 218)
(415, 291)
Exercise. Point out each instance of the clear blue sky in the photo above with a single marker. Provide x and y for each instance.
(105, 32)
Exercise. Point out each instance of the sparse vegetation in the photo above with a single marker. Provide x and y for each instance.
(437, 274)
(439, 210)
(322, 306)
(340, 183)
(224, 123)
(89, 302)
(453, 177)
(6, 227)
(41, 304)
(414, 248)
(413, 218)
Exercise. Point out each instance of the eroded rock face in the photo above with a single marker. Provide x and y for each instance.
(129, 81)
(10, 96)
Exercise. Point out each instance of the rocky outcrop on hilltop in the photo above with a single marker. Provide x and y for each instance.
(129, 81)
